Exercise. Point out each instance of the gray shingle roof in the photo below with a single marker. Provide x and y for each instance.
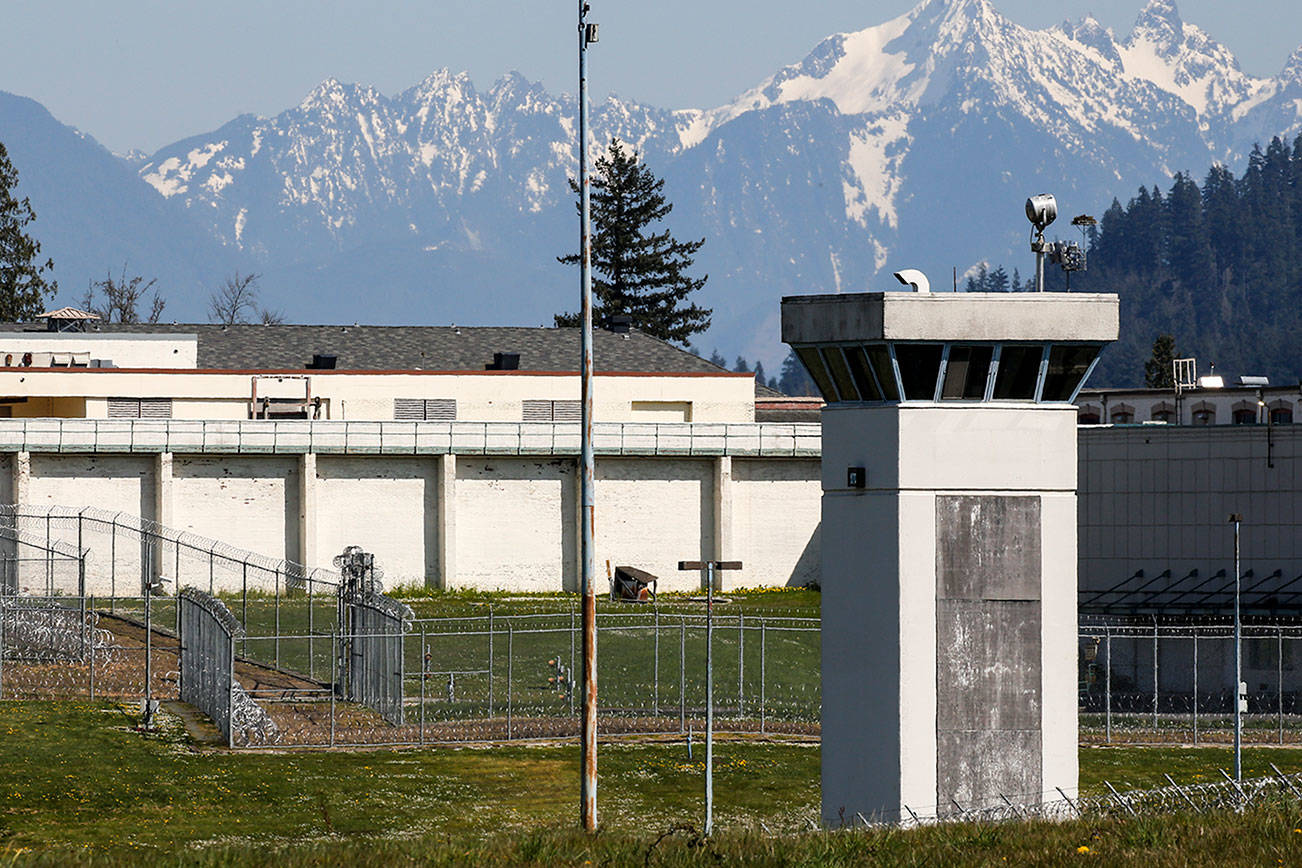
(429, 348)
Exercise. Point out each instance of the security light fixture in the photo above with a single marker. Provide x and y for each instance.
(1041, 210)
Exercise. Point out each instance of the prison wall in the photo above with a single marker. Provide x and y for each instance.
(441, 519)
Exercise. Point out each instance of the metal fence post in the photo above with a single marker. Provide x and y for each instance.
(490, 660)
(230, 692)
(763, 636)
(570, 675)
(1279, 672)
(682, 674)
(92, 654)
(1195, 685)
(1155, 727)
(1107, 687)
(655, 671)
(113, 564)
(510, 660)
(2, 647)
(741, 664)
(424, 673)
(276, 588)
(334, 684)
(311, 634)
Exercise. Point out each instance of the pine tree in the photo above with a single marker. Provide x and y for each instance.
(636, 271)
(997, 280)
(759, 374)
(742, 366)
(794, 379)
(23, 287)
(716, 358)
(1157, 370)
(1017, 281)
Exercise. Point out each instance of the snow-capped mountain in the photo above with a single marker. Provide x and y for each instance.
(911, 143)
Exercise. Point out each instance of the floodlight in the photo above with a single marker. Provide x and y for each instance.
(1041, 210)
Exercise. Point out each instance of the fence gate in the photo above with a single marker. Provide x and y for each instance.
(374, 626)
(208, 634)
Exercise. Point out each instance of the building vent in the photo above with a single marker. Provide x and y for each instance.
(140, 408)
(425, 409)
(504, 362)
(323, 361)
(620, 325)
(552, 411)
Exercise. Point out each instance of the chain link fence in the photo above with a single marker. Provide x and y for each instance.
(1174, 682)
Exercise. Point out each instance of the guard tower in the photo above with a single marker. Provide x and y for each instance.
(948, 543)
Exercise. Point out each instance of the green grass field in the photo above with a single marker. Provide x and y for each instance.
(80, 786)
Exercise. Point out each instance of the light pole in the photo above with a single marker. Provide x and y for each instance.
(1240, 695)
(710, 568)
(588, 748)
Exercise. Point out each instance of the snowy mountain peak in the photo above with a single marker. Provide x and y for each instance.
(1159, 23)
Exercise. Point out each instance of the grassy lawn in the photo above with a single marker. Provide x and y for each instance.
(79, 785)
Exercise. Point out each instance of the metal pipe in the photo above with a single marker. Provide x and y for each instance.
(1107, 688)
(682, 674)
(587, 558)
(1195, 685)
(1239, 698)
(1279, 683)
(1155, 726)
(709, 698)
(510, 661)
(763, 630)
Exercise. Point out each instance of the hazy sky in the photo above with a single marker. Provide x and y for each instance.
(144, 73)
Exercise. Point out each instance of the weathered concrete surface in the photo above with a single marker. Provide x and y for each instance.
(987, 547)
(948, 316)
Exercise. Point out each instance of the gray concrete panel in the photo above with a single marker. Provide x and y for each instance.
(987, 547)
(975, 768)
(987, 665)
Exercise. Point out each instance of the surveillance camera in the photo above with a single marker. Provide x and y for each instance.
(1041, 210)
(914, 278)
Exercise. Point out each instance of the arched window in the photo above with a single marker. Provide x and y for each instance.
(1122, 414)
(1204, 413)
(1088, 415)
(1162, 412)
(1281, 413)
(1244, 413)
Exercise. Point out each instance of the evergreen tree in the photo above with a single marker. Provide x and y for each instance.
(742, 366)
(23, 285)
(997, 280)
(1189, 252)
(794, 379)
(1157, 370)
(759, 374)
(716, 358)
(638, 272)
(1017, 281)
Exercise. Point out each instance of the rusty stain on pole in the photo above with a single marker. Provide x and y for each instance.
(588, 748)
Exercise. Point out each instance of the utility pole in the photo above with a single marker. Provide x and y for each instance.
(1240, 695)
(710, 567)
(588, 747)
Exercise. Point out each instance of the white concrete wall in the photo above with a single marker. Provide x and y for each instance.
(515, 523)
(248, 501)
(480, 395)
(778, 552)
(504, 522)
(651, 514)
(384, 504)
(124, 351)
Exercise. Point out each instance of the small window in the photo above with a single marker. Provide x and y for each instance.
(1204, 414)
(140, 408)
(1019, 371)
(1162, 412)
(425, 409)
(880, 361)
(1245, 416)
(919, 369)
(1088, 415)
(863, 377)
(840, 373)
(1281, 415)
(553, 411)
(1123, 417)
(966, 373)
(1067, 368)
(813, 363)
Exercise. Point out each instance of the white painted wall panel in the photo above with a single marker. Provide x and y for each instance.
(386, 505)
(515, 523)
(776, 520)
(247, 501)
(653, 513)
